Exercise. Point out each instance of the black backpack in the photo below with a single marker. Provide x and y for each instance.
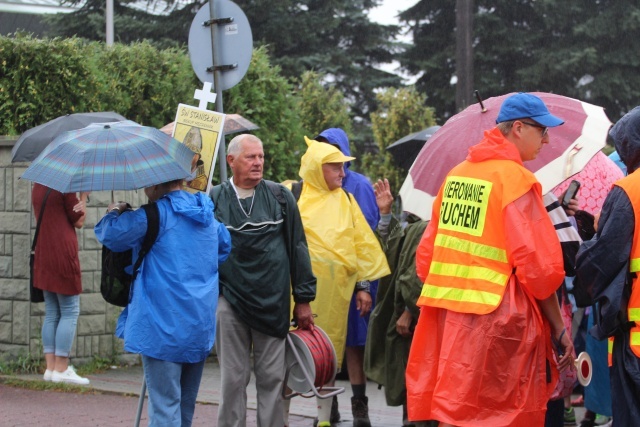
(115, 282)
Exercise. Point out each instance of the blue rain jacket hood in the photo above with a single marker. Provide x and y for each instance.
(354, 182)
(171, 314)
(337, 136)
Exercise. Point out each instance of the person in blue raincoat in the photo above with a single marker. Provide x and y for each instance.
(607, 266)
(358, 323)
(170, 319)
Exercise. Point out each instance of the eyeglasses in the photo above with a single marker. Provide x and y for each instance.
(545, 129)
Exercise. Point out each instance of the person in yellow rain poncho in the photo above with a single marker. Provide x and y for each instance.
(342, 247)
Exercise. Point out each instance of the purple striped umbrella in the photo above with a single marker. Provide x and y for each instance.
(110, 156)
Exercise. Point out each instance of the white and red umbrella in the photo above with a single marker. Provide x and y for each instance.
(570, 147)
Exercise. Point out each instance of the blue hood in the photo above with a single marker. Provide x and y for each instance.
(337, 136)
(197, 207)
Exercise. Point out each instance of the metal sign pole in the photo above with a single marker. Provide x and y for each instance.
(222, 151)
(225, 26)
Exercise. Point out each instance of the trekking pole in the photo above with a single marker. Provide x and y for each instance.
(143, 392)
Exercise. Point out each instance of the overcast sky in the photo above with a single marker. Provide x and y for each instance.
(387, 12)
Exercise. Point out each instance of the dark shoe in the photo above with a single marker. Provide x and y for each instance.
(587, 422)
(360, 410)
(335, 413)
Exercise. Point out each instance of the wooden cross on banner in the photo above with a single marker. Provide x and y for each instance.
(205, 96)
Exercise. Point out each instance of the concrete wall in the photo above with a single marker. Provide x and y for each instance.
(21, 320)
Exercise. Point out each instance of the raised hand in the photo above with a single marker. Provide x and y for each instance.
(384, 198)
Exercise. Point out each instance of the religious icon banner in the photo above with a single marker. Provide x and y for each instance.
(200, 130)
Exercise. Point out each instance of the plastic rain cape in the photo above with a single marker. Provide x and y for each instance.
(342, 247)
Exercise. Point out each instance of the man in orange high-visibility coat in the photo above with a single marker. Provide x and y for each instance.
(491, 262)
(609, 265)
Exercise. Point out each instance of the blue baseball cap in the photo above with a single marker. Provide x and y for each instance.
(525, 105)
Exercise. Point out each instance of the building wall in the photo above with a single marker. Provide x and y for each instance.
(21, 320)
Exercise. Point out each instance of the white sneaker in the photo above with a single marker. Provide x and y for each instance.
(68, 376)
(47, 375)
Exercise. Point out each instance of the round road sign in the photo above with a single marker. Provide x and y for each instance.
(234, 44)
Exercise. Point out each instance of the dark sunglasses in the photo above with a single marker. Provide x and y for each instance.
(535, 125)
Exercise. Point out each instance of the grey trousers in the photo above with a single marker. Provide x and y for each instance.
(234, 342)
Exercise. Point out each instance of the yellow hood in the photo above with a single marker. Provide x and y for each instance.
(319, 153)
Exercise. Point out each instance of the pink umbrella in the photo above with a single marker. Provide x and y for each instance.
(596, 178)
(571, 146)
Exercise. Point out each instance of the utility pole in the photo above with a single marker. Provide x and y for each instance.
(109, 22)
(464, 53)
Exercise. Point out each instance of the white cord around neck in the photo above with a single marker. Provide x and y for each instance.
(253, 198)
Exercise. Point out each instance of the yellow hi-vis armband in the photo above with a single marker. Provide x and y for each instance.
(464, 205)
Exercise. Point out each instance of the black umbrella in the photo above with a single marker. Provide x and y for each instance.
(233, 123)
(406, 149)
(32, 142)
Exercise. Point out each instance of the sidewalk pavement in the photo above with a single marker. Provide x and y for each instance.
(112, 399)
(120, 389)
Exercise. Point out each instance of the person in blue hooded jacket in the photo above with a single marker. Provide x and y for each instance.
(357, 325)
(170, 319)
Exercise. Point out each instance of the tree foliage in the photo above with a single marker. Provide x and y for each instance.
(333, 37)
(321, 108)
(33, 74)
(400, 112)
(267, 98)
(580, 49)
(41, 79)
(163, 30)
(147, 84)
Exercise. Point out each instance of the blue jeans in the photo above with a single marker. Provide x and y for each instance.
(173, 388)
(60, 320)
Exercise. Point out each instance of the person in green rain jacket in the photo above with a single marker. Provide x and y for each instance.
(395, 316)
(269, 262)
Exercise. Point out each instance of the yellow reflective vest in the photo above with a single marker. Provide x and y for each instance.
(470, 267)
(631, 186)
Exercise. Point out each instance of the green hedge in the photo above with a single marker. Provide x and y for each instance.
(41, 79)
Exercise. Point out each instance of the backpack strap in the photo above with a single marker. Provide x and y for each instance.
(296, 189)
(153, 227)
(347, 193)
(214, 193)
(39, 221)
(276, 190)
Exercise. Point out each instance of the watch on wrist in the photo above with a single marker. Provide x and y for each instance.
(363, 285)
